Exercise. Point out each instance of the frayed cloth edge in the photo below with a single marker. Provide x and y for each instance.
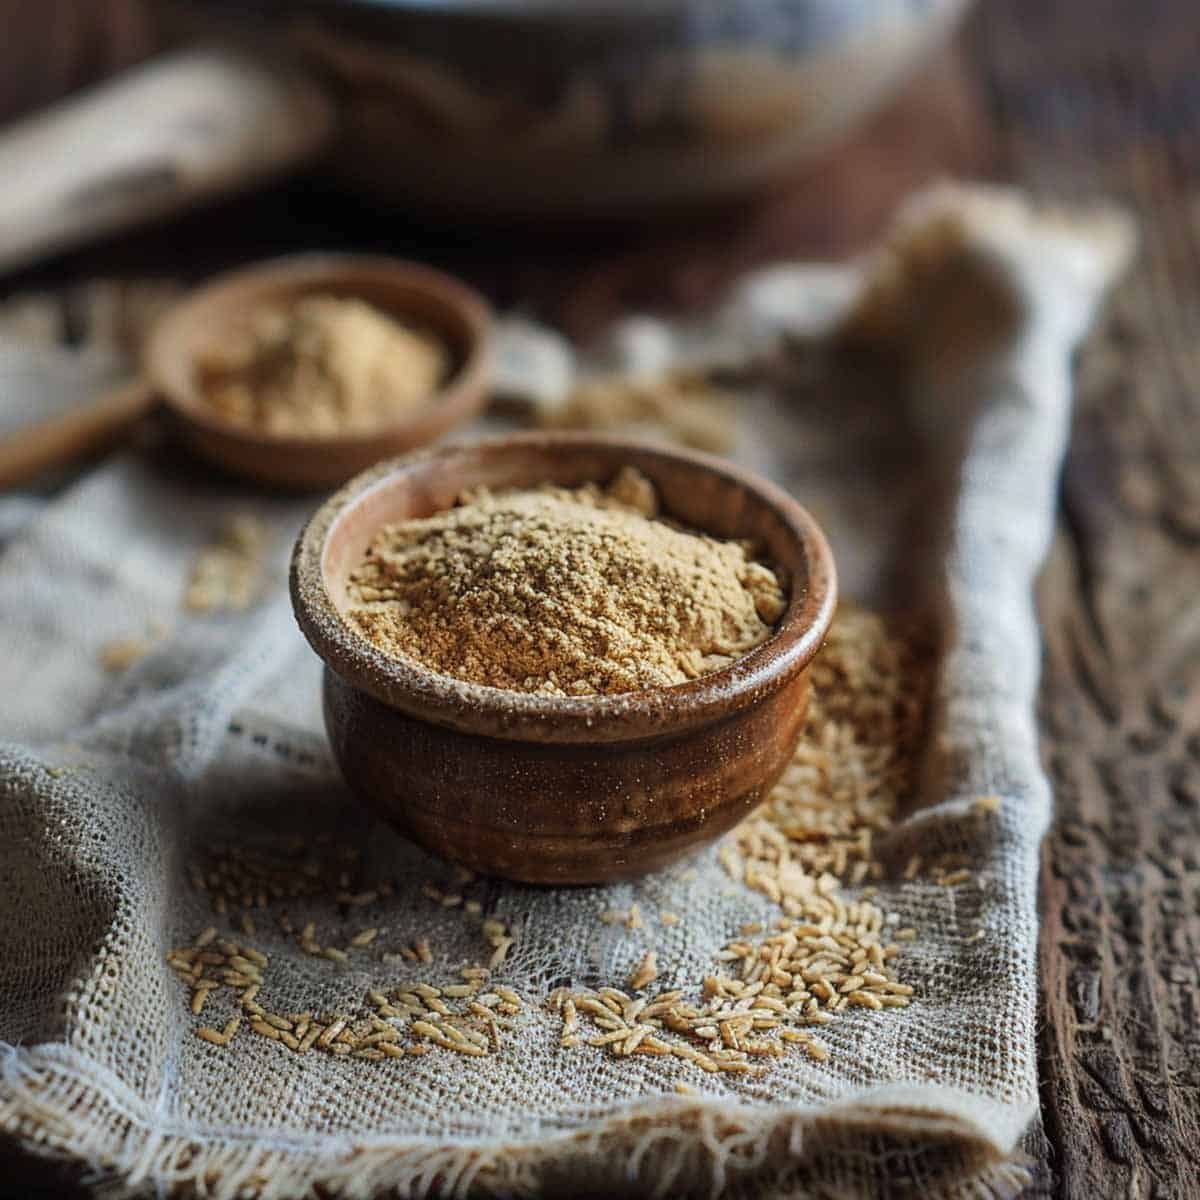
(677, 1145)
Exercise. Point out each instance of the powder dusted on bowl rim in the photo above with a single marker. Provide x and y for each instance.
(563, 591)
(320, 366)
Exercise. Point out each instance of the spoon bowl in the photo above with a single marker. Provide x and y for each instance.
(417, 295)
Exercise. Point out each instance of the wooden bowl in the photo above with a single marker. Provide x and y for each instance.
(410, 292)
(549, 789)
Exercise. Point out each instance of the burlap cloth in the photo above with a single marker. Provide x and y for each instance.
(934, 471)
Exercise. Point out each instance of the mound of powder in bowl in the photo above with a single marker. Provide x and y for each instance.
(324, 365)
(563, 591)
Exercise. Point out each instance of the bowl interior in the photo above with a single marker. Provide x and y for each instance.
(704, 492)
(418, 296)
(690, 493)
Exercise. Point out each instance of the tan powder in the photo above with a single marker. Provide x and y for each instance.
(228, 573)
(685, 406)
(122, 653)
(579, 591)
(325, 365)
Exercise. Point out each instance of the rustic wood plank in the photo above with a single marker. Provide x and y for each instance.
(1103, 98)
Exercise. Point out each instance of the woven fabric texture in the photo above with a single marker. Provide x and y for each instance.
(934, 471)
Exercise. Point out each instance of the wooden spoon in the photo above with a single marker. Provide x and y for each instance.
(415, 294)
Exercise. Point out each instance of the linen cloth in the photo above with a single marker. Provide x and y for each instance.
(934, 472)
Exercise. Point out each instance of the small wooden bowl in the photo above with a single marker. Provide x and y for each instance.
(410, 292)
(549, 789)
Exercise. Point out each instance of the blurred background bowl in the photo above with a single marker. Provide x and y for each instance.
(540, 110)
(531, 107)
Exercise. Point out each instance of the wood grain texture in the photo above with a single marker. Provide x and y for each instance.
(1102, 99)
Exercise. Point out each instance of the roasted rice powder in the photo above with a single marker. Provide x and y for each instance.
(563, 591)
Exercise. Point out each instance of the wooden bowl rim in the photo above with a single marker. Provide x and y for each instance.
(412, 688)
(461, 396)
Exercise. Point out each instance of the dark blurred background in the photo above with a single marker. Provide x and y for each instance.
(58, 46)
(774, 129)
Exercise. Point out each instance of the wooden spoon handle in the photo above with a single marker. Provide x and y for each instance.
(151, 142)
(83, 430)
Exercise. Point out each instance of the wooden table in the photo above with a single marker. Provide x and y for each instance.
(1105, 97)
(1073, 99)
